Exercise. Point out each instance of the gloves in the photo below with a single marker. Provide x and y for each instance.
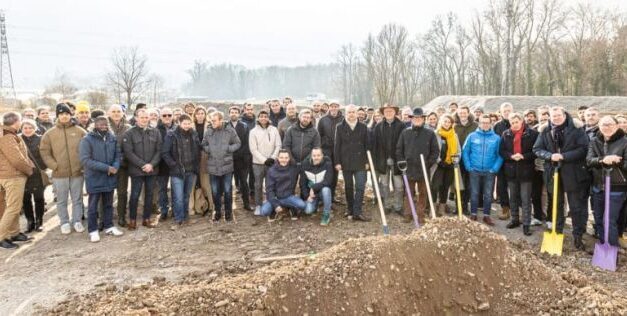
(269, 162)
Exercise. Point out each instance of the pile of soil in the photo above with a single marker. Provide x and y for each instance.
(446, 267)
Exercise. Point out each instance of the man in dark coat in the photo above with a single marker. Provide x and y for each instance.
(386, 135)
(301, 138)
(242, 158)
(501, 182)
(562, 142)
(277, 112)
(165, 125)
(351, 145)
(465, 124)
(326, 128)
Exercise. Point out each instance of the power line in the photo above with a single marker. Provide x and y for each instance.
(7, 86)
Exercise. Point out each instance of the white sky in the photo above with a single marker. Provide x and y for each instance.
(77, 37)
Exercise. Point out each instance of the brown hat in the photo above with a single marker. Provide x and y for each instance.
(388, 106)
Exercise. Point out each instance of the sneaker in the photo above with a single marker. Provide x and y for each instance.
(114, 231)
(536, 222)
(294, 214)
(66, 229)
(78, 227)
(94, 236)
(549, 225)
(257, 210)
(326, 218)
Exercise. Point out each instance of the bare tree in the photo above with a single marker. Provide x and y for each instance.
(62, 84)
(129, 73)
(97, 97)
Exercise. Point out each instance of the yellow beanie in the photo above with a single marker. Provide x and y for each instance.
(82, 106)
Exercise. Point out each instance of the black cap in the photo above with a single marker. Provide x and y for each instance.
(63, 108)
(418, 112)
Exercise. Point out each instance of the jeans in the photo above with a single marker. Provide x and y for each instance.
(162, 182)
(481, 182)
(617, 199)
(355, 186)
(323, 195)
(136, 188)
(292, 201)
(221, 186)
(122, 192)
(74, 188)
(181, 191)
(520, 197)
(259, 172)
(92, 213)
(501, 188)
(241, 165)
(391, 200)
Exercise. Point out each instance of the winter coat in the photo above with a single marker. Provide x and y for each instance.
(412, 143)
(42, 127)
(501, 126)
(142, 146)
(522, 170)
(326, 129)
(286, 123)
(34, 181)
(280, 182)
(220, 144)
(243, 133)
(59, 150)
(98, 153)
(315, 177)
(351, 146)
(573, 173)
(599, 148)
(301, 140)
(14, 161)
(250, 121)
(264, 143)
(179, 146)
(591, 132)
(276, 118)
(481, 152)
(384, 143)
(119, 130)
(462, 131)
(164, 169)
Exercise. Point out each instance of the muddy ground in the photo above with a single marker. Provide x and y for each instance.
(54, 267)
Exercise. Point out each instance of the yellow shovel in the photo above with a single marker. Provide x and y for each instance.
(553, 242)
(458, 197)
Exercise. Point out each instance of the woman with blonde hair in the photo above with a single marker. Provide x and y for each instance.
(449, 150)
(201, 200)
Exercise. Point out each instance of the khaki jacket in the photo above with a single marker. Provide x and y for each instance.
(59, 150)
(14, 161)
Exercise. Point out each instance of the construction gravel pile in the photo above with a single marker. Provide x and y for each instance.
(447, 267)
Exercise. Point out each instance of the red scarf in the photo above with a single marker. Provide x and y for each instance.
(518, 140)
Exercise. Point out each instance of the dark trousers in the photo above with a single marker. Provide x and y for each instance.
(617, 199)
(122, 191)
(36, 196)
(221, 187)
(578, 207)
(501, 188)
(92, 212)
(622, 220)
(136, 189)
(442, 180)
(354, 185)
(241, 165)
(536, 194)
(466, 192)
(251, 178)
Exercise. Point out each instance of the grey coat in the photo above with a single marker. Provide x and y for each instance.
(220, 144)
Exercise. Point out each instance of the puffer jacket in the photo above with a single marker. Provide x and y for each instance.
(326, 129)
(280, 182)
(142, 146)
(481, 152)
(14, 161)
(413, 142)
(220, 144)
(59, 150)
(301, 140)
(384, 143)
(177, 144)
(98, 153)
(522, 170)
(119, 130)
(599, 148)
(34, 182)
(573, 172)
(351, 146)
(315, 177)
(264, 143)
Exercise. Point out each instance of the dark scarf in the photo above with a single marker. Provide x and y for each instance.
(557, 132)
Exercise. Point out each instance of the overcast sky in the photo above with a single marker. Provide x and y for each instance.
(77, 37)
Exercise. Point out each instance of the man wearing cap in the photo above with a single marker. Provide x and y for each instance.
(59, 150)
(83, 115)
(386, 135)
(326, 129)
(414, 142)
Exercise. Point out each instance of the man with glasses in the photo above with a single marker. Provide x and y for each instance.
(118, 126)
(164, 126)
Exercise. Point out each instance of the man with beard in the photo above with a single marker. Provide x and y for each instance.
(241, 157)
(290, 119)
(326, 129)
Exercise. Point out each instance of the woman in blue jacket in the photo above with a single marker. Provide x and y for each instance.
(481, 158)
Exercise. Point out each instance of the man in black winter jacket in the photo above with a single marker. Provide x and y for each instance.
(315, 180)
(165, 125)
(242, 157)
(326, 128)
(301, 138)
(501, 182)
(562, 142)
(385, 138)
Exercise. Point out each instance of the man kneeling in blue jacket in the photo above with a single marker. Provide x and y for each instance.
(482, 160)
(280, 184)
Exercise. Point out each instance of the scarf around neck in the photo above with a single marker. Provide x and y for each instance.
(518, 140)
(451, 143)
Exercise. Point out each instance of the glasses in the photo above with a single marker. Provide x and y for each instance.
(608, 124)
(166, 115)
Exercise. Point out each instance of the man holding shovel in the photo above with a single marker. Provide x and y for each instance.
(413, 142)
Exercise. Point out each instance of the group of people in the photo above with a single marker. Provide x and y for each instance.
(286, 162)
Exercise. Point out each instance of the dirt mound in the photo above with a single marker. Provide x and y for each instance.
(447, 267)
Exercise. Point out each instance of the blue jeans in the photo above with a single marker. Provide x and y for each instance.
(181, 190)
(162, 182)
(92, 213)
(323, 195)
(481, 182)
(292, 201)
(617, 199)
(221, 186)
(136, 190)
(354, 185)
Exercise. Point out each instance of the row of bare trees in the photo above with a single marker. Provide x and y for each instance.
(512, 47)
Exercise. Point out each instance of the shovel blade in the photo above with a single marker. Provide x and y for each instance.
(605, 256)
(552, 243)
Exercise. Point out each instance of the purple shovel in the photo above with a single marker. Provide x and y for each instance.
(605, 255)
(402, 166)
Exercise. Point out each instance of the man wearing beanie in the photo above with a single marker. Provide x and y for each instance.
(83, 115)
(59, 150)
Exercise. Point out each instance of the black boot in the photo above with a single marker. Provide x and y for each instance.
(513, 224)
(39, 224)
(526, 230)
(30, 226)
(579, 243)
